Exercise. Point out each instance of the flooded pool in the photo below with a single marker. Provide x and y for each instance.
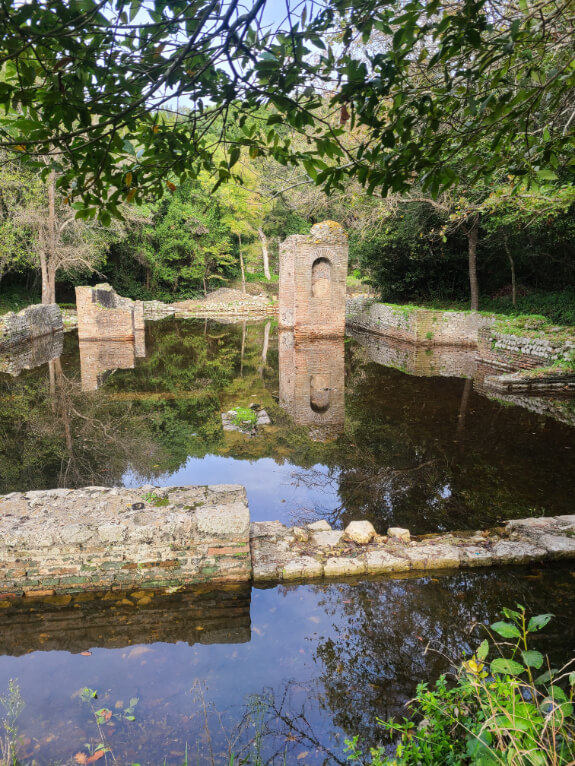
(350, 438)
(359, 429)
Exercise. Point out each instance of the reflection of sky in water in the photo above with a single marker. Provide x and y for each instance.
(275, 491)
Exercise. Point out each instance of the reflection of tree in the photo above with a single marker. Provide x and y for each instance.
(54, 435)
(377, 654)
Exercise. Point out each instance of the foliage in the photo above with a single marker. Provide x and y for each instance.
(501, 712)
(245, 417)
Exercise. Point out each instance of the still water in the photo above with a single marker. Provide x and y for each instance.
(291, 670)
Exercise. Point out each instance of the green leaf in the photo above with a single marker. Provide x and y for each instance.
(538, 622)
(508, 667)
(483, 650)
(532, 658)
(506, 629)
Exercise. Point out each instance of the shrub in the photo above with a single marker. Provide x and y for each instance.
(502, 712)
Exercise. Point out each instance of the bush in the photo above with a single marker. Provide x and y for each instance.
(502, 712)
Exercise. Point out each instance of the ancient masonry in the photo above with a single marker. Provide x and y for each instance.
(105, 315)
(415, 325)
(65, 541)
(312, 285)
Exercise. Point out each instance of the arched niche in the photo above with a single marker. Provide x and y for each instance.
(319, 393)
(321, 278)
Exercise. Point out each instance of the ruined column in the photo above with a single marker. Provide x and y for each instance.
(313, 272)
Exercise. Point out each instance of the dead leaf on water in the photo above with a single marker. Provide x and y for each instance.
(302, 755)
(86, 654)
(257, 631)
(314, 619)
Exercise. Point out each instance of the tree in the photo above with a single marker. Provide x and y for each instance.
(122, 97)
(59, 241)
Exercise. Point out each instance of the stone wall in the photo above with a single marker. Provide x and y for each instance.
(312, 284)
(104, 315)
(416, 359)
(312, 383)
(66, 540)
(515, 352)
(415, 325)
(30, 323)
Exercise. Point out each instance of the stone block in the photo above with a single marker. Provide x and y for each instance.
(475, 556)
(361, 532)
(379, 562)
(303, 568)
(399, 533)
(433, 556)
(327, 539)
(558, 546)
(319, 526)
(222, 521)
(340, 566)
(516, 552)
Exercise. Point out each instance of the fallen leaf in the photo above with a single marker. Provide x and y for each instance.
(302, 755)
(81, 758)
(96, 756)
(86, 654)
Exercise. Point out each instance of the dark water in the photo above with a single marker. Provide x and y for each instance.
(292, 670)
(350, 438)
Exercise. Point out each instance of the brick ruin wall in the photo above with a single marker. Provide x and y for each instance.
(415, 325)
(312, 283)
(104, 315)
(96, 538)
(30, 323)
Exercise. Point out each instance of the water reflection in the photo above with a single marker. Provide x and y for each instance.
(99, 359)
(32, 353)
(322, 662)
(426, 452)
(312, 384)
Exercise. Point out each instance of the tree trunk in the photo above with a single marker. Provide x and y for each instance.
(512, 264)
(242, 264)
(265, 347)
(472, 237)
(265, 254)
(48, 267)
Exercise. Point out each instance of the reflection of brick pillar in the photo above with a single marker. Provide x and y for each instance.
(313, 272)
(99, 358)
(104, 315)
(312, 383)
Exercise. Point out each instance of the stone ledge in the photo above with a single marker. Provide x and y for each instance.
(281, 554)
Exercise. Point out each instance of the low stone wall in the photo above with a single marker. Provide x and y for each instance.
(154, 310)
(30, 323)
(65, 541)
(97, 537)
(416, 325)
(281, 554)
(516, 352)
